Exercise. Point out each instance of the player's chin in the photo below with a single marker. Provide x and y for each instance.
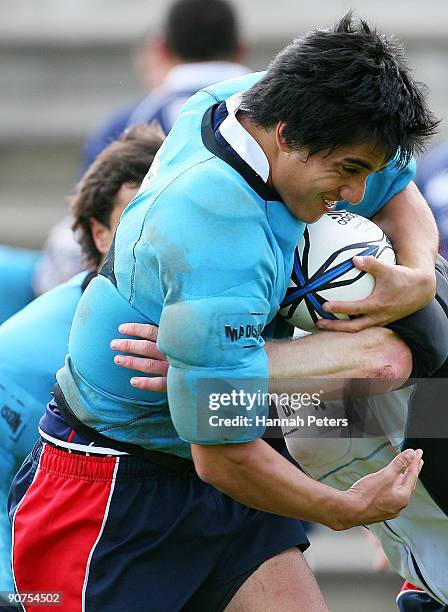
(317, 212)
(314, 216)
(308, 213)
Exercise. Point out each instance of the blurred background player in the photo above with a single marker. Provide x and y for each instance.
(34, 342)
(199, 44)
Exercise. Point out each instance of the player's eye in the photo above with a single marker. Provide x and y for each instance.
(350, 170)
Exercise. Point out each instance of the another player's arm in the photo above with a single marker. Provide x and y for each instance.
(258, 476)
(374, 353)
(402, 289)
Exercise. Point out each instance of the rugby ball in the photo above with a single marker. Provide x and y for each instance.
(323, 268)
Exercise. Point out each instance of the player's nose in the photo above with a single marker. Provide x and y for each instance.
(354, 191)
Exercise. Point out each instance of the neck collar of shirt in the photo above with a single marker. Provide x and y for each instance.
(215, 142)
(241, 141)
(195, 75)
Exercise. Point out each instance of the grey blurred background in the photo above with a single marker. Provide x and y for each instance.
(65, 65)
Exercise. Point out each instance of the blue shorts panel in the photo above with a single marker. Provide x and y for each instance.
(168, 542)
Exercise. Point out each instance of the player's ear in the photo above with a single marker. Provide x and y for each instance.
(101, 235)
(284, 147)
(280, 137)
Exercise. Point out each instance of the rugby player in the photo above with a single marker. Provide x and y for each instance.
(207, 245)
(34, 342)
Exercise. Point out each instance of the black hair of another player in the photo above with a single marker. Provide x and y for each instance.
(125, 160)
(202, 30)
(346, 85)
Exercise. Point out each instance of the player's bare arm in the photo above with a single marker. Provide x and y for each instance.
(256, 475)
(409, 223)
(402, 289)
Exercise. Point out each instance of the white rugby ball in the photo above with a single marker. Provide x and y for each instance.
(323, 269)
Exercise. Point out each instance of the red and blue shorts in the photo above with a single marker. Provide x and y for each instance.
(116, 533)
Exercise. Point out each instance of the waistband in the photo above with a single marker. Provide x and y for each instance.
(86, 466)
(164, 460)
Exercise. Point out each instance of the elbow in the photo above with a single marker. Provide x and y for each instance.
(217, 465)
(206, 470)
(428, 286)
(390, 362)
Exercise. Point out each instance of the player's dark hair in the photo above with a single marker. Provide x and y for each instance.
(342, 86)
(124, 161)
(202, 30)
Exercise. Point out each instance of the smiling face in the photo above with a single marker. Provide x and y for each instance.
(311, 186)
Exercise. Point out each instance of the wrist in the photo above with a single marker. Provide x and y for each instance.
(350, 511)
(421, 275)
(339, 510)
(427, 283)
(421, 262)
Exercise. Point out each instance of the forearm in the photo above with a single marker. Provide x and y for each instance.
(373, 353)
(410, 225)
(256, 475)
